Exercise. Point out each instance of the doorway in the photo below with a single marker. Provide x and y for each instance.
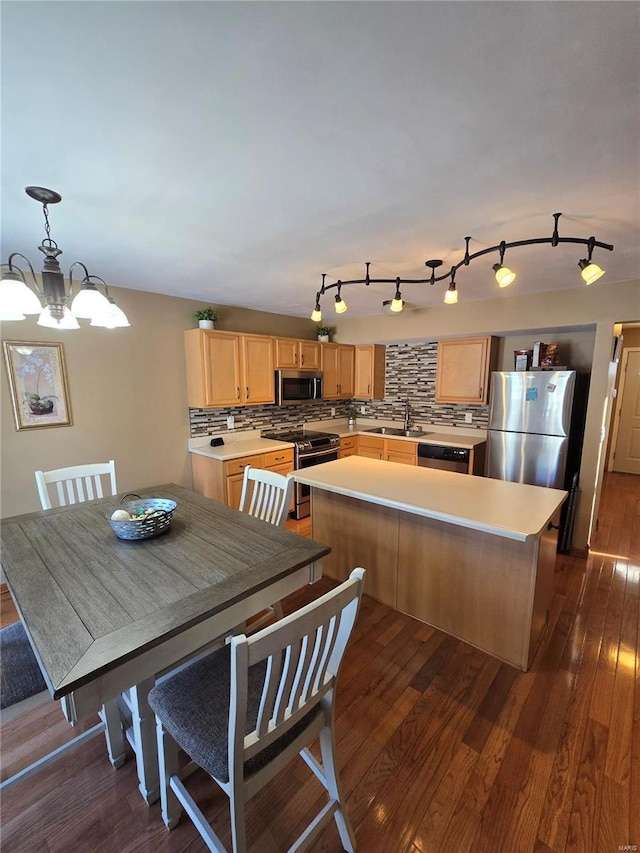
(624, 456)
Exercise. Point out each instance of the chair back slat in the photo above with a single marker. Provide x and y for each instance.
(266, 495)
(303, 652)
(75, 484)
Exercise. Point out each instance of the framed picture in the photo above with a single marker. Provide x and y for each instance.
(38, 383)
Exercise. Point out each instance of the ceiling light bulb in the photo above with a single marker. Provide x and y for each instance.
(89, 302)
(16, 298)
(316, 314)
(68, 321)
(504, 276)
(590, 272)
(396, 304)
(451, 296)
(341, 305)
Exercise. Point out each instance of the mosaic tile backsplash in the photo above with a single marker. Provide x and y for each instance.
(410, 376)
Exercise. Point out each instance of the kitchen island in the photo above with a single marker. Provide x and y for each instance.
(471, 556)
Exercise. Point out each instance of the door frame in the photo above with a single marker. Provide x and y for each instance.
(618, 405)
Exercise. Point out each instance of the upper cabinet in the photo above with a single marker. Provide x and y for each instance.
(338, 364)
(292, 353)
(369, 372)
(227, 368)
(464, 366)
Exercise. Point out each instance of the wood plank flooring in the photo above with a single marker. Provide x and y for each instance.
(441, 747)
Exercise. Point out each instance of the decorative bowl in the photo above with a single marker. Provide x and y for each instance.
(146, 526)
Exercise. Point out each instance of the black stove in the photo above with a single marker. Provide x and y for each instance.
(306, 441)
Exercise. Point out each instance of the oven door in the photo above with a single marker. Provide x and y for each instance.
(302, 493)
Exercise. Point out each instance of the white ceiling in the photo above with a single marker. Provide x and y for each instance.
(234, 151)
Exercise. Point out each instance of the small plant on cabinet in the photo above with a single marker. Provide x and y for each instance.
(205, 317)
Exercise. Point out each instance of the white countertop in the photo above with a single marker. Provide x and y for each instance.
(236, 444)
(510, 510)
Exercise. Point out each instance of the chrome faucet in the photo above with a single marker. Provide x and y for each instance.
(407, 416)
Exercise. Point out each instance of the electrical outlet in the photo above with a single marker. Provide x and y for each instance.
(230, 422)
(362, 410)
(333, 411)
(468, 418)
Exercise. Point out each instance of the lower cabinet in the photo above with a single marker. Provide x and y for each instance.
(222, 481)
(348, 446)
(404, 452)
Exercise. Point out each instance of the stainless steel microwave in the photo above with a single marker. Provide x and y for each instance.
(298, 386)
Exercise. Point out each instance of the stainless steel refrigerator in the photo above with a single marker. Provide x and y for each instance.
(535, 432)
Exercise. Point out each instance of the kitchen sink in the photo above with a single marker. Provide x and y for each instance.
(409, 433)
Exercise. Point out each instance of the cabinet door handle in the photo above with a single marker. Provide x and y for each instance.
(295, 358)
(302, 359)
(369, 389)
(481, 391)
(238, 394)
(247, 389)
(278, 458)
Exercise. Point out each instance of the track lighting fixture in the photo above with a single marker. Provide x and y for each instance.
(396, 303)
(504, 276)
(451, 296)
(590, 271)
(341, 305)
(17, 298)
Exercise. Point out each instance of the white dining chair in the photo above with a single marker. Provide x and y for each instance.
(245, 711)
(22, 687)
(266, 495)
(75, 484)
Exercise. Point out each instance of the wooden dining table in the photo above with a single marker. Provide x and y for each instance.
(107, 616)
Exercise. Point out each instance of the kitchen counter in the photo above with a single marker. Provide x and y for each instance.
(471, 556)
(497, 507)
(248, 443)
(433, 434)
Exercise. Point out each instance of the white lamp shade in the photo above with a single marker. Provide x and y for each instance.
(451, 297)
(396, 305)
(316, 315)
(16, 298)
(114, 318)
(89, 303)
(341, 306)
(68, 321)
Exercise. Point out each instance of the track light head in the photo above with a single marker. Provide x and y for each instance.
(590, 272)
(341, 305)
(396, 303)
(504, 276)
(451, 296)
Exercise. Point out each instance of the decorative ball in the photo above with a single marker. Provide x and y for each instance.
(120, 515)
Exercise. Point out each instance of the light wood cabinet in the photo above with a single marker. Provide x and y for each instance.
(372, 448)
(348, 446)
(292, 353)
(227, 369)
(464, 367)
(222, 481)
(338, 365)
(369, 372)
(405, 452)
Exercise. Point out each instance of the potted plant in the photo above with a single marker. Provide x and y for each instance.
(325, 332)
(206, 317)
(352, 413)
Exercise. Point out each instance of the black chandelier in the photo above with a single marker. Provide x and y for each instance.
(590, 271)
(61, 308)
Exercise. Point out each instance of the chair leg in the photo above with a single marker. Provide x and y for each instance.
(113, 732)
(238, 826)
(168, 766)
(327, 750)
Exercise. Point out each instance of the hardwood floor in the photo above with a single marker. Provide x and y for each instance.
(441, 747)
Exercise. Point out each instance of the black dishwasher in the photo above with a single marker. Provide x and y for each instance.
(443, 457)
